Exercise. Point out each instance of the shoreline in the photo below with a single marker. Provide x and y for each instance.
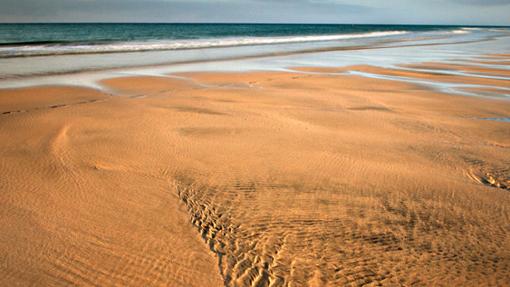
(252, 56)
(439, 76)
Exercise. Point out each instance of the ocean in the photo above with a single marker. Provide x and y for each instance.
(21, 40)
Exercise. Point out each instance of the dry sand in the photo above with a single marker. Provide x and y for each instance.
(254, 179)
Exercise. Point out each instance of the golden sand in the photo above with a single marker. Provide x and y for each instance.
(254, 179)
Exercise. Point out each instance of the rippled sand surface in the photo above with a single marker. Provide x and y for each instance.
(255, 179)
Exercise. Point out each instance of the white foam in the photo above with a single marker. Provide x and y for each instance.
(180, 44)
(460, 31)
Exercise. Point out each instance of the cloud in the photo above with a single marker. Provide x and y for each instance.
(277, 11)
(178, 10)
(484, 2)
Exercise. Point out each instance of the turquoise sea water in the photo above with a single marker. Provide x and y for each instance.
(21, 40)
(104, 33)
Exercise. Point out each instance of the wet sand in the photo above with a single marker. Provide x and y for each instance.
(254, 179)
(480, 70)
(433, 73)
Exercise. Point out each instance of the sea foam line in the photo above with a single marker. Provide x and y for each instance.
(47, 50)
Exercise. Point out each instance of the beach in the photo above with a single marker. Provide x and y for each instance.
(339, 175)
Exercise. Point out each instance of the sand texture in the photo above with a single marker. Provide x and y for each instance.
(255, 179)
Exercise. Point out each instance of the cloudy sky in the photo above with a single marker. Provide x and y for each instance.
(484, 12)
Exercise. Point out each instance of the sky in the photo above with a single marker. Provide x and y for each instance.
(461, 12)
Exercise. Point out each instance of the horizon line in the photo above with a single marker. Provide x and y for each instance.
(255, 23)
